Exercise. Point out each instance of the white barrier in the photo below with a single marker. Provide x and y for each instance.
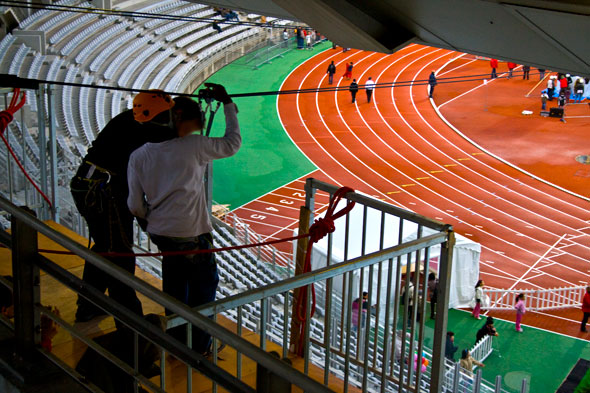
(535, 299)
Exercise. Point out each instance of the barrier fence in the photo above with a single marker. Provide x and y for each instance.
(535, 299)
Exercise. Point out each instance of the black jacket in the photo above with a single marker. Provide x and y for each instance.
(331, 69)
(119, 138)
(354, 87)
(432, 79)
(450, 349)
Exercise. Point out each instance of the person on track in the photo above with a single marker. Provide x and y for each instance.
(431, 83)
(99, 189)
(511, 67)
(353, 88)
(369, 87)
(166, 188)
(526, 69)
(348, 72)
(494, 65)
(585, 309)
(331, 71)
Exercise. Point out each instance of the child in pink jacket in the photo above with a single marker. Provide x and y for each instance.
(520, 310)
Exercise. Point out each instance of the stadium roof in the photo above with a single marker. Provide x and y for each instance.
(549, 34)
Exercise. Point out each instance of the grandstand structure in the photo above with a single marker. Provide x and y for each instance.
(140, 53)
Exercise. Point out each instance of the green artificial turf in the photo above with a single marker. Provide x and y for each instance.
(268, 159)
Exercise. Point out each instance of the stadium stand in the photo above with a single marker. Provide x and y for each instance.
(18, 60)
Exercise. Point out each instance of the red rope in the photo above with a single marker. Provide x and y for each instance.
(6, 116)
(320, 228)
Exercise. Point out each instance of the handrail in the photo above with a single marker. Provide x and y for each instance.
(321, 274)
(379, 205)
(198, 320)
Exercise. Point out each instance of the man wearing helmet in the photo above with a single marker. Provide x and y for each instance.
(100, 191)
(166, 188)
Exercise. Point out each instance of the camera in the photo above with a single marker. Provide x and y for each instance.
(206, 94)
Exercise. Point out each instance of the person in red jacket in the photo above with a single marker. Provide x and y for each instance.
(494, 65)
(585, 308)
(511, 67)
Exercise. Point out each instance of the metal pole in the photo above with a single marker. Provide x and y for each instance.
(27, 323)
(498, 384)
(440, 327)
(42, 140)
(53, 155)
(24, 148)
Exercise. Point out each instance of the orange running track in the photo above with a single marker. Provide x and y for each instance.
(398, 149)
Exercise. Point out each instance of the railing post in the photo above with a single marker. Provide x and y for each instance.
(524, 387)
(498, 384)
(53, 155)
(26, 287)
(440, 327)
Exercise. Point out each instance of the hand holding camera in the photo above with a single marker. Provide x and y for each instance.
(215, 92)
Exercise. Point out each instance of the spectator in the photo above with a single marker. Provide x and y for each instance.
(526, 69)
(579, 89)
(99, 190)
(511, 67)
(487, 330)
(520, 310)
(166, 188)
(563, 84)
(478, 299)
(216, 27)
(348, 72)
(300, 37)
(585, 309)
(308, 41)
(331, 71)
(561, 100)
(450, 347)
(467, 361)
(433, 291)
(541, 73)
(369, 87)
(544, 98)
(353, 88)
(494, 65)
(431, 82)
(551, 87)
(285, 38)
(356, 306)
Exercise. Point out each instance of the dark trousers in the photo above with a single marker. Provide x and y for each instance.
(353, 94)
(525, 74)
(585, 320)
(431, 91)
(369, 94)
(550, 93)
(191, 279)
(494, 75)
(104, 207)
(330, 77)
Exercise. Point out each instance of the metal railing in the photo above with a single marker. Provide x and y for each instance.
(377, 270)
(27, 262)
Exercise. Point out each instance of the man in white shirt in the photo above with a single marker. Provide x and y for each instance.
(166, 188)
(369, 87)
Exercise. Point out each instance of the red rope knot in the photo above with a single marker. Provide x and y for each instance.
(5, 119)
(320, 228)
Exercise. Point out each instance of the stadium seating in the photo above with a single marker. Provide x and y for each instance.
(115, 44)
(41, 13)
(70, 27)
(147, 69)
(83, 106)
(124, 55)
(18, 59)
(82, 57)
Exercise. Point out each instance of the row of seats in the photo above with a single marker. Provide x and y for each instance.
(137, 63)
(115, 44)
(41, 13)
(158, 8)
(190, 11)
(6, 42)
(148, 69)
(70, 27)
(176, 80)
(87, 32)
(83, 106)
(165, 72)
(123, 55)
(18, 59)
(220, 45)
(105, 36)
(66, 102)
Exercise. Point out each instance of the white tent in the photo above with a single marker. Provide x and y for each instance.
(465, 269)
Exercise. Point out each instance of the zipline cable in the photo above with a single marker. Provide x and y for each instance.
(13, 81)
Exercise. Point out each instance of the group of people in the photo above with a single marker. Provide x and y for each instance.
(227, 14)
(353, 88)
(306, 38)
(526, 70)
(149, 163)
(566, 88)
(480, 298)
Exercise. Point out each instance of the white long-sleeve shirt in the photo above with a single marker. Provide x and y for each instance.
(370, 84)
(170, 176)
